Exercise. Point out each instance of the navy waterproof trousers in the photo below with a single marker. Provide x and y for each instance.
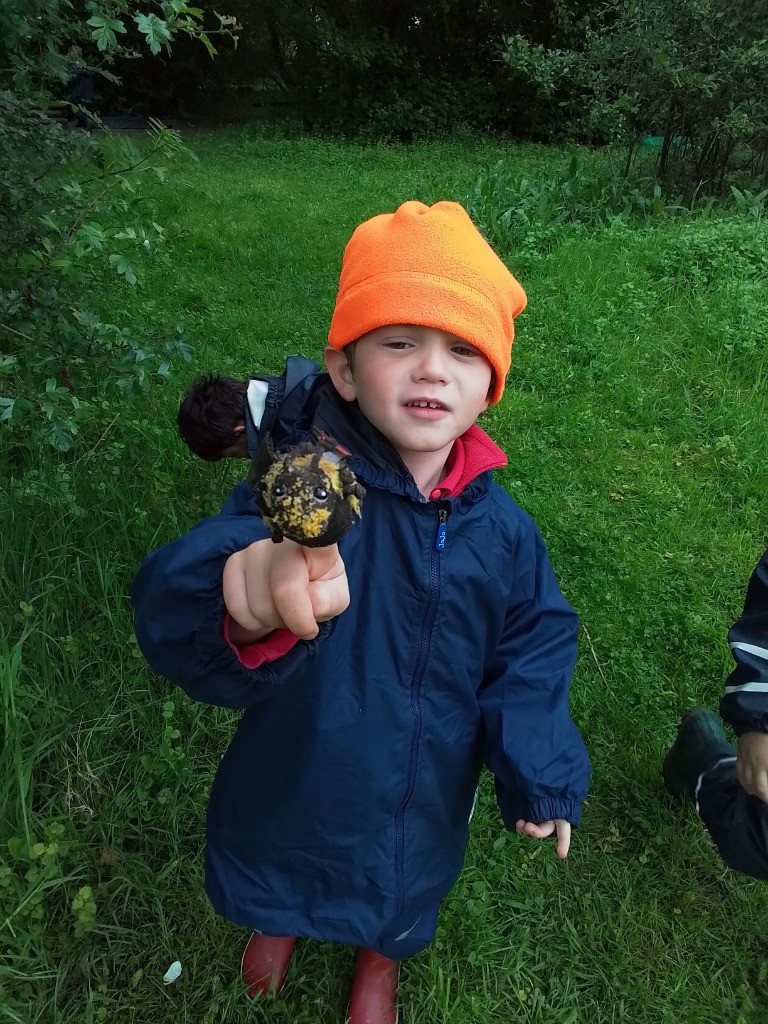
(736, 821)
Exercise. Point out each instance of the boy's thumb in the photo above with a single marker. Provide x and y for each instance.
(324, 561)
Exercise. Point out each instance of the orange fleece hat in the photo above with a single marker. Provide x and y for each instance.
(428, 266)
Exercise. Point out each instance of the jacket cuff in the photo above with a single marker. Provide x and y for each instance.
(538, 810)
(544, 809)
(273, 646)
(749, 725)
(549, 808)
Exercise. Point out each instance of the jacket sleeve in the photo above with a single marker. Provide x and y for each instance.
(179, 609)
(531, 745)
(745, 702)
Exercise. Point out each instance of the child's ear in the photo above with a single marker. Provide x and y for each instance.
(340, 373)
(489, 396)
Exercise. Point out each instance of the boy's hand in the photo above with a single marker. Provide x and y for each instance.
(545, 829)
(752, 764)
(284, 586)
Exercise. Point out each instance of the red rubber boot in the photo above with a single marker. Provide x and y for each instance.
(374, 991)
(265, 962)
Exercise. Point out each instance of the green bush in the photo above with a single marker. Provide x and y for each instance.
(73, 228)
(72, 224)
(692, 75)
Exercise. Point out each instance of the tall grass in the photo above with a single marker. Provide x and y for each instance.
(635, 422)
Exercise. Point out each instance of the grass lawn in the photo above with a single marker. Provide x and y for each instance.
(636, 428)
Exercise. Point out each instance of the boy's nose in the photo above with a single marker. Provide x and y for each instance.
(431, 366)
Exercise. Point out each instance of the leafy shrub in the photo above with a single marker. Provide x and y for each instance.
(75, 226)
(71, 220)
(691, 74)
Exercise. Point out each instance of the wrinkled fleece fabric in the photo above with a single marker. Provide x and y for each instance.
(341, 808)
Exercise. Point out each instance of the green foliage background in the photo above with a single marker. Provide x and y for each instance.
(690, 74)
(72, 219)
(635, 422)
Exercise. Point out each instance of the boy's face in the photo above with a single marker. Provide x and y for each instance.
(421, 387)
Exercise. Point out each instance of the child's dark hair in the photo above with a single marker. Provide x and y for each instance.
(209, 414)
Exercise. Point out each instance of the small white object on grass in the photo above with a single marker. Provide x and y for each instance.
(173, 972)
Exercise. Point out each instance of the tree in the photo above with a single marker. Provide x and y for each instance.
(398, 70)
(689, 72)
(70, 213)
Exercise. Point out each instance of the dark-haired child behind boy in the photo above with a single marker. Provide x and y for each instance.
(225, 418)
(212, 418)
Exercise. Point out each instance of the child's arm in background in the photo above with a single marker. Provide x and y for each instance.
(530, 743)
(745, 702)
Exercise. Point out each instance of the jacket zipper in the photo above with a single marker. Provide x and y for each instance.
(430, 613)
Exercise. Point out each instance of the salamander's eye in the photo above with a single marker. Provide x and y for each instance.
(320, 493)
(279, 490)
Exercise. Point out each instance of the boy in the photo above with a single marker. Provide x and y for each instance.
(378, 675)
(729, 786)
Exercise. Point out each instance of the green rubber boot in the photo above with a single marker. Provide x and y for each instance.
(700, 742)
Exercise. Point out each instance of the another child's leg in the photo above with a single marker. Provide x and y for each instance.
(373, 999)
(737, 821)
(265, 962)
(701, 766)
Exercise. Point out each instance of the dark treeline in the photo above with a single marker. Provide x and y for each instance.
(687, 73)
(396, 70)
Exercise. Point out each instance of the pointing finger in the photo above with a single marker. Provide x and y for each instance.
(563, 838)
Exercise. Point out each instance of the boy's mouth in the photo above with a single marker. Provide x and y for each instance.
(426, 403)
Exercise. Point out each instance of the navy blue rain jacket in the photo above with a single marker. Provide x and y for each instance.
(341, 808)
